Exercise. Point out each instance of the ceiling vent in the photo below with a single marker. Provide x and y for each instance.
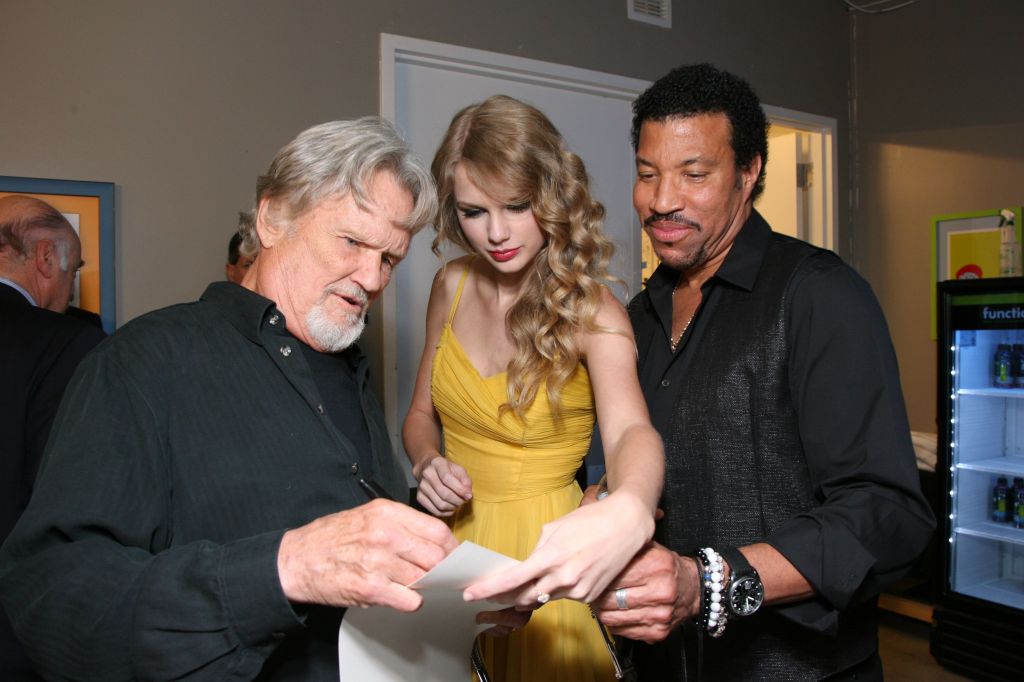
(657, 12)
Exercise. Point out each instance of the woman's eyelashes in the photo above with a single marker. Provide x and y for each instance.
(474, 211)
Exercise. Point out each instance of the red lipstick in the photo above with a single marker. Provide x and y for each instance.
(502, 256)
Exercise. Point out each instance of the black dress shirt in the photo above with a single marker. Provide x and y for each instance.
(871, 521)
(184, 449)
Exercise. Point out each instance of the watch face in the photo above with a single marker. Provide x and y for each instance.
(745, 596)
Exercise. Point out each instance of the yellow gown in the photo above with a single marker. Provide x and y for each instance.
(523, 474)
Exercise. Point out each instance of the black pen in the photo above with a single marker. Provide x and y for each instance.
(376, 491)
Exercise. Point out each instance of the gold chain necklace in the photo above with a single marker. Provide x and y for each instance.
(673, 344)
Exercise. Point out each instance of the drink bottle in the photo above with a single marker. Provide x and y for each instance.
(1002, 367)
(999, 501)
(1017, 507)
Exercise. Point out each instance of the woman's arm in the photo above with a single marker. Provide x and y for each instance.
(634, 456)
(443, 485)
(579, 554)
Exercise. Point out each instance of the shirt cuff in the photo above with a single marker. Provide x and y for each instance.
(830, 557)
(255, 601)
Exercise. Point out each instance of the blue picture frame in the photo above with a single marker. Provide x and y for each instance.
(104, 192)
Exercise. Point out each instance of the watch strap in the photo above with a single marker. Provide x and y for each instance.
(738, 563)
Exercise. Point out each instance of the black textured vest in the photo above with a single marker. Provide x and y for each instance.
(736, 467)
(735, 471)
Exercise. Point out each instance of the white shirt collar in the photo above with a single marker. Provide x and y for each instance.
(18, 288)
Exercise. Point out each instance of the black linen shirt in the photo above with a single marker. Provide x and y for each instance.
(184, 448)
(871, 521)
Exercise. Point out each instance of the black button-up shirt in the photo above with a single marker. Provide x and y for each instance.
(872, 520)
(184, 449)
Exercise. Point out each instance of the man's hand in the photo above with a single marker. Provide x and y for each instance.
(662, 589)
(363, 556)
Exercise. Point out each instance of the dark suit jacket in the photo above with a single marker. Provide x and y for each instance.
(39, 350)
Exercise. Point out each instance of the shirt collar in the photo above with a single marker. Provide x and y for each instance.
(249, 312)
(743, 261)
(246, 310)
(14, 285)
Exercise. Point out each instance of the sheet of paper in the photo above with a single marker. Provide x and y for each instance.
(431, 645)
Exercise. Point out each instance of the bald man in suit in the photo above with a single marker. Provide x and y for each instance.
(40, 348)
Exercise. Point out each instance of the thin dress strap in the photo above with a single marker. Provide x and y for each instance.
(458, 294)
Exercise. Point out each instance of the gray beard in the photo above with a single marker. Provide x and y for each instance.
(331, 336)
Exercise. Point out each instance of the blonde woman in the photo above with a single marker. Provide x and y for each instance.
(525, 346)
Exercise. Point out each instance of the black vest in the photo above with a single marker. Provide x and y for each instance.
(735, 471)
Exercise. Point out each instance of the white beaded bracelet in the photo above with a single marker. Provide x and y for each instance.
(713, 613)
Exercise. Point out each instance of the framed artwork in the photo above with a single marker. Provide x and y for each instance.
(975, 245)
(89, 207)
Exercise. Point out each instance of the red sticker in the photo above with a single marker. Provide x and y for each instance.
(969, 271)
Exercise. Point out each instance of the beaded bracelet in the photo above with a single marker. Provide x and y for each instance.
(713, 615)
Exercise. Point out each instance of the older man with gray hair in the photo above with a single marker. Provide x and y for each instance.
(39, 350)
(206, 511)
(40, 254)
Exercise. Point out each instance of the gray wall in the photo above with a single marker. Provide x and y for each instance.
(940, 123)
(182, 104)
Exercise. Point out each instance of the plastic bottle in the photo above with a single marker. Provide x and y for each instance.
(1002, 367)
(1018, 502)
(999, 500)
(1017, 359)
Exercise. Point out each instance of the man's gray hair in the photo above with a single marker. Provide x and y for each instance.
(339, 158)
(36, 220)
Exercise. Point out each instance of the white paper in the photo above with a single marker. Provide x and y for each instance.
(433, 644)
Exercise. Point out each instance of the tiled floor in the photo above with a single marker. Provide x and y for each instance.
(903, 643)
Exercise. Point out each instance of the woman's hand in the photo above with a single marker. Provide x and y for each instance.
(443, 486)
(576, 557)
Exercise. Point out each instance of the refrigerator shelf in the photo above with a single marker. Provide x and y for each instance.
(1005, 591)
(990, 530)
(1007, 466)
(992, 392)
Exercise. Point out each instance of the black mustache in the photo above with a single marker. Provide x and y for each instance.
(677, 218)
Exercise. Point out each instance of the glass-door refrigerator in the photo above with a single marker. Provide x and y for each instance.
(978, 626)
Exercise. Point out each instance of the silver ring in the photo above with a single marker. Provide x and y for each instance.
(543, 597)
(620, 598)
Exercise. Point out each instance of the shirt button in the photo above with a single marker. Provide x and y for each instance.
(274, 319)
(665, 383)
(286, 350)
(320, 409)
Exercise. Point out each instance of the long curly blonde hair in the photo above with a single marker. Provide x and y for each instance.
(502, 141)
